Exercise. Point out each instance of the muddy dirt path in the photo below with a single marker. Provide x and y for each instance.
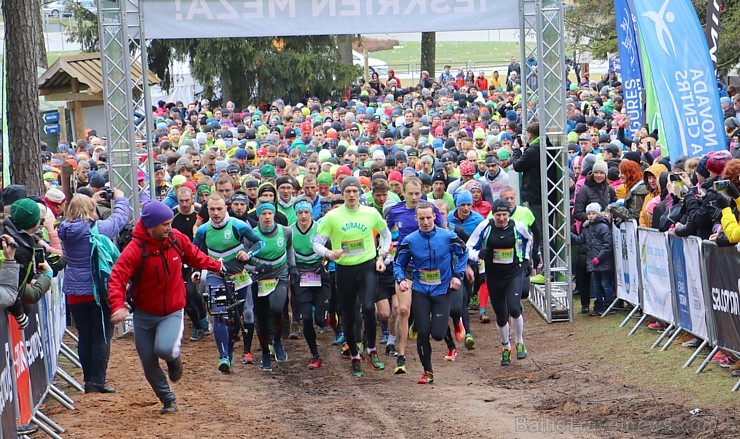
(557, 391)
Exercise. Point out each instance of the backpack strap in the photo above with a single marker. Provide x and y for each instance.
(135, 280)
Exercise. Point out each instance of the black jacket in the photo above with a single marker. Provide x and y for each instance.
(596, 237)
(527, 162)
(592, 192)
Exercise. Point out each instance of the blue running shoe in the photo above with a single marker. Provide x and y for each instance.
(338, 340)
(280, 354)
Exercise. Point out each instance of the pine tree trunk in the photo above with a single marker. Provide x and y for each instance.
(21, 38)
(41, 43)
(344, 44)
(428, 52)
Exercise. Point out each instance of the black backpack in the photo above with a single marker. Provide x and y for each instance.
(125, 236)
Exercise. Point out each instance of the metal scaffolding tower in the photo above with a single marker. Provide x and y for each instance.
(542, 33)
(121, 35)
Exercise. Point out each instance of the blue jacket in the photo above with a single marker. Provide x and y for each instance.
(171, 199)
(75, 236)
(430, 252)
(470, 223)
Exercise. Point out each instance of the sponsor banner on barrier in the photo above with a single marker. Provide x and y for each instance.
(620, 259)
(687, 283)
(656, 280)
(59, 313)
(268, 18)
(625, 250)
(47, 331)
(7, 381)
(24, 408)
(723, 266)
(35, 355)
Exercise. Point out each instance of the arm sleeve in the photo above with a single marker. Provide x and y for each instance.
(622, 138)
(475, 241)
(385, 233)
(605, 245)
(196, 258)
(256, 244)
(290, 251)
(730, 225)
(529, 159)
(461, 254)
(318, 243)
(123, 271)
(114, 224)
(403, 256)
(527, 241)
(33, 293)
(579, 208)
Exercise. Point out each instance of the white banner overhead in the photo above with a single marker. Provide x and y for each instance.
(165, 19)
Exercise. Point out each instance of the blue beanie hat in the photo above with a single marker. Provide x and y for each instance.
(154, 213)
(241, 153)
(265, 206)
(506, 136)
(463, 197)
(511, 115)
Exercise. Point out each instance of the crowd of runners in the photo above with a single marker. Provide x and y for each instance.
(389, 215)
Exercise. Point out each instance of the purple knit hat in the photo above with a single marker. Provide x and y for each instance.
(154, 213)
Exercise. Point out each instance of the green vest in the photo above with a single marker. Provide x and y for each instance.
(274, 253)
(222, 243)
(304, 254)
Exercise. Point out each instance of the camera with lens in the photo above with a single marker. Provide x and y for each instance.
(108, 194)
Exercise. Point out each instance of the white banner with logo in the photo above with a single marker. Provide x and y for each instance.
(165, 19)
(656, 275)
(626, 262)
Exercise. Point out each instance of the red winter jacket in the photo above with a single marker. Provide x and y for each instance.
(160, 289)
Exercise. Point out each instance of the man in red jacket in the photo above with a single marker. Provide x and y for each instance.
(158, 293)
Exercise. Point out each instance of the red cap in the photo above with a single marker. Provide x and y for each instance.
(331, 133)
(306, 126)
(189, 184)
(395, 176)
(344, 170)
(262, 152)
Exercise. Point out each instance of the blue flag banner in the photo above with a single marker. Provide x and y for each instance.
(683, 76)
(629, 63)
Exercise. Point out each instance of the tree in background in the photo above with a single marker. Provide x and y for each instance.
(428, 52)
(21, 37)
(243, 69)
(591, 28)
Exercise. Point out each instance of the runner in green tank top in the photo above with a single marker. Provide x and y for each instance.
(234, 242)
(312, 287)
(271, 269)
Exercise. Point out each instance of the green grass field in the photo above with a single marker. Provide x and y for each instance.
(605, 341)
(457, 54)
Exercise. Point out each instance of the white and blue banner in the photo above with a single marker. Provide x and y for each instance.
(687, 284)
(683, 76)
(656, 275)
(625, 261)
(629, 63)
(165, 19)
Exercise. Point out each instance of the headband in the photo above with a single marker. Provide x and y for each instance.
(303, 205)
(265, 206)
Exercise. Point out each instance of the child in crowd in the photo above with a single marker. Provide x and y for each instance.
(596, 236)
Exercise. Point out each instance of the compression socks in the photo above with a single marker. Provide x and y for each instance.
(503, 332)
(483, 297)
(518, 323)
(392, 339)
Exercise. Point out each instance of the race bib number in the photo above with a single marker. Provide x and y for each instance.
(503, 255)
(310, 279)
(430, 277)
(481, 267)
(266, 286)
(241, 280)
(354, 247)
